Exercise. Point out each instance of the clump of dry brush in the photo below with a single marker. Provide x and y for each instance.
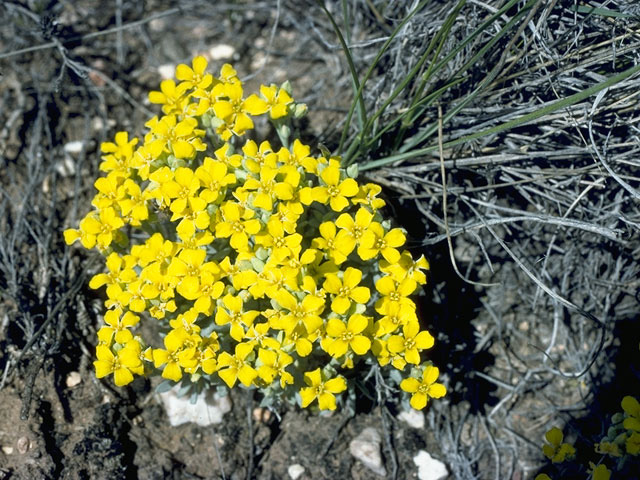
(532, 228)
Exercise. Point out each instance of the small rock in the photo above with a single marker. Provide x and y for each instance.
(166, 71)
(66, 167)
(414, 418)
(7, 450)
(366, 448)
(429, 468)
(74, 147)
(221, 52)
(295, 471)
(261, 415)
(207, 410)
(73, 379)
(23, 445)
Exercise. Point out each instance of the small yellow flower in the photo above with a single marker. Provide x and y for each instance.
(556, 451)
(171, 97)
(235, 316)
(346, 290)
(631, 407)
(237, 367)
(275, 101)
(194, 76)
(600, 472)
(410, 343)
(632, 444)
(342, 336)
(321, 388)
(123, 364)
(422, 389)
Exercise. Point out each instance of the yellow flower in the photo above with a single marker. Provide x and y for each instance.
(123, 364)
(631, 407)
(235, 315)
(214, 178)
(411, 342)
(298, 156)
(268, 189)
(306, 311)
(367, 195)
(422, 389)
(275, 101)
(335, 192)
(109, 190)
(396, 315)
(256, 158)
(120, 271)
(235, 111)
(394, 293)
(117, 326)
(134, 203)
(187, 267)
(237, 223)
(556, 451)
(336, 251)
(406, 268)
(632, 444)
(97, 228)
(352, 230)
(600, 472)
(179, 138)
(281, 244)
(273, 364)
(322, 389)
(184, 186)
(195, 76)
(341, 337)
(172, 98)
(375, 241)
(119, 153)
(237, 367)
(346, 290)
(174, 341)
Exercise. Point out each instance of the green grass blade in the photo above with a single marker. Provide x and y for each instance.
(352, 68)
(369, 72)
(418, 139)
(557, 105)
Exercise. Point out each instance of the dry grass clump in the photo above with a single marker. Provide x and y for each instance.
(533, 232)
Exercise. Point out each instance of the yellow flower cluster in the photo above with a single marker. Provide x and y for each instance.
(265, 266)
(621, 442)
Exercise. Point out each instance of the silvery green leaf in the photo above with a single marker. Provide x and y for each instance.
(352, 170)
(262, 253)
(185, 387)
(257, 264)
(396, 376)
(286, 86)
(165, 386)
(300, 110)
(324, 150)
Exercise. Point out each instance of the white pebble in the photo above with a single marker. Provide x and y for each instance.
(74, 148)
(295, 471)
(166, 71)
(429, 468)
(73, 379)
(414, 418)
(366, 448)
(208, 409)
(221, 52)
